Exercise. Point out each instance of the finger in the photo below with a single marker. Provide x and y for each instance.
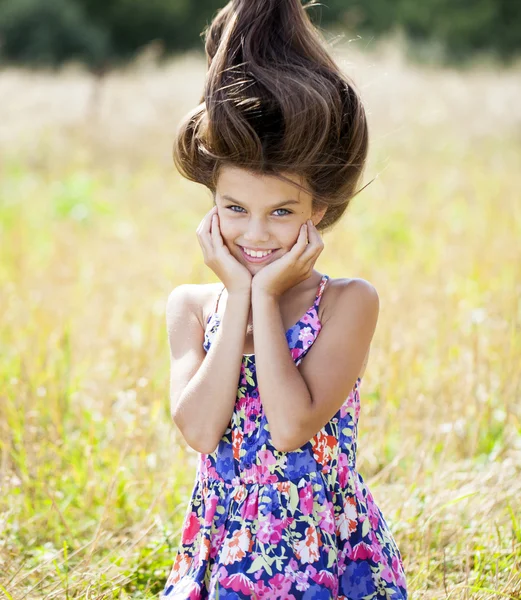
(302, 239)
(315, 246)
(301, 243)
(204, 232)
(216, 232)
(207, 217)
(207, 221)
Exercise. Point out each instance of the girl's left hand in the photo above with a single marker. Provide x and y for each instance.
(292, 268)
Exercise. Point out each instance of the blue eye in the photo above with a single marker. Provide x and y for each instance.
(288, 212)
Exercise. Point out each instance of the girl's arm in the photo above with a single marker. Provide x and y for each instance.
(299, 401)
(203, 386)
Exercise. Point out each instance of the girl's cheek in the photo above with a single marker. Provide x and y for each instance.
(227, 231)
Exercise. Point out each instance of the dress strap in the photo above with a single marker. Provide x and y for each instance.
(321, 287)
(218, 298)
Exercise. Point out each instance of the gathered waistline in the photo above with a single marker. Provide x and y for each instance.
(280, 483)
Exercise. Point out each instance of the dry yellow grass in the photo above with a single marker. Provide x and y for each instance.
(96, 229)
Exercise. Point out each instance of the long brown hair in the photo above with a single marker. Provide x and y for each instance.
(275, 101)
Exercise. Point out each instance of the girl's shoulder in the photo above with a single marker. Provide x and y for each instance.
(200, 296)
(339, 284)
(338, 290)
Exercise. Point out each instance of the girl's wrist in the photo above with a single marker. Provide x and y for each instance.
(257, 289)
(260, 294)
(240, 293)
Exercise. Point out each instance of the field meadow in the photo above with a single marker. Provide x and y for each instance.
(96, 229)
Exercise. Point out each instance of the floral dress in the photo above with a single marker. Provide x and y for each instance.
(284, 525)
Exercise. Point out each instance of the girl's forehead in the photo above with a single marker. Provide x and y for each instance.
(243, 185)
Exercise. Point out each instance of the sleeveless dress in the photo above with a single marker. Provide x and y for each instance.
(284, 525)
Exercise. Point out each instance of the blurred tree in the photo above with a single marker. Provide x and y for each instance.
(50, 31)
(37, 33)
(464, 27)
(135, 23)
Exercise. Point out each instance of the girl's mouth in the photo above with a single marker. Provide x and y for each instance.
(257, 259)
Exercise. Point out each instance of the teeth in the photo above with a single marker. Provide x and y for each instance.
(256, 254)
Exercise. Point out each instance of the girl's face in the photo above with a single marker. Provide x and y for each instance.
(260, 212)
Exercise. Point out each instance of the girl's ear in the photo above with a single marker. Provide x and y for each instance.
(318, 215)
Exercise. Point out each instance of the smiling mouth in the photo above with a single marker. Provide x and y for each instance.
(257, 259)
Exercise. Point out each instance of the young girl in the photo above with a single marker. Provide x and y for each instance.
(266, 366)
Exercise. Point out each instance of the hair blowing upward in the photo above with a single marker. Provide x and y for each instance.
(275, 101)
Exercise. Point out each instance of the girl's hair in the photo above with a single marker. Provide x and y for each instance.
(275, 101)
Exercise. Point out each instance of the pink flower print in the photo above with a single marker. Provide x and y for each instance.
(387, 574)
(238, 582)
(295, 352)
(361, 551)
(280, 586)
(266, 458)
(306, 336)
(378, 555)
(210, 506)
(191, 528)
(306, 318)
(250, 508)
(343, 470)
(372, 511)
(208, 469)
(313, 321)
(216, 540)
(261, 590)
(398, 570)
(327, 578)
(249, 425)
(265, 477)
(306, 499)
(270, 530)
(291, 570)
(327, 518)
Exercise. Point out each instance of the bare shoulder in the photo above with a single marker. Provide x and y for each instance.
(343, 294)
(196, 297)
(348, 301)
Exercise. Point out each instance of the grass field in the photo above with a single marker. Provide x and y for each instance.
(96, 228)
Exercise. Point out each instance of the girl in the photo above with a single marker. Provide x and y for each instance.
(278, 510)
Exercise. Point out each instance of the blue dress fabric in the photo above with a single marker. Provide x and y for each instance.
(274, 525)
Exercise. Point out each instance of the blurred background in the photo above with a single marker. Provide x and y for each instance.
(96, 228)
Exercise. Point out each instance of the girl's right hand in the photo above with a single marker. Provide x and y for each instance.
(235, 277)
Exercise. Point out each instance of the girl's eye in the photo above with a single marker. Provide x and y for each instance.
(276, 210)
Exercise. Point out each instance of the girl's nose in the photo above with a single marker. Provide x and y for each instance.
(257, 233)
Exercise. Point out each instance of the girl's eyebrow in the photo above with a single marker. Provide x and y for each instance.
(230, 199)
